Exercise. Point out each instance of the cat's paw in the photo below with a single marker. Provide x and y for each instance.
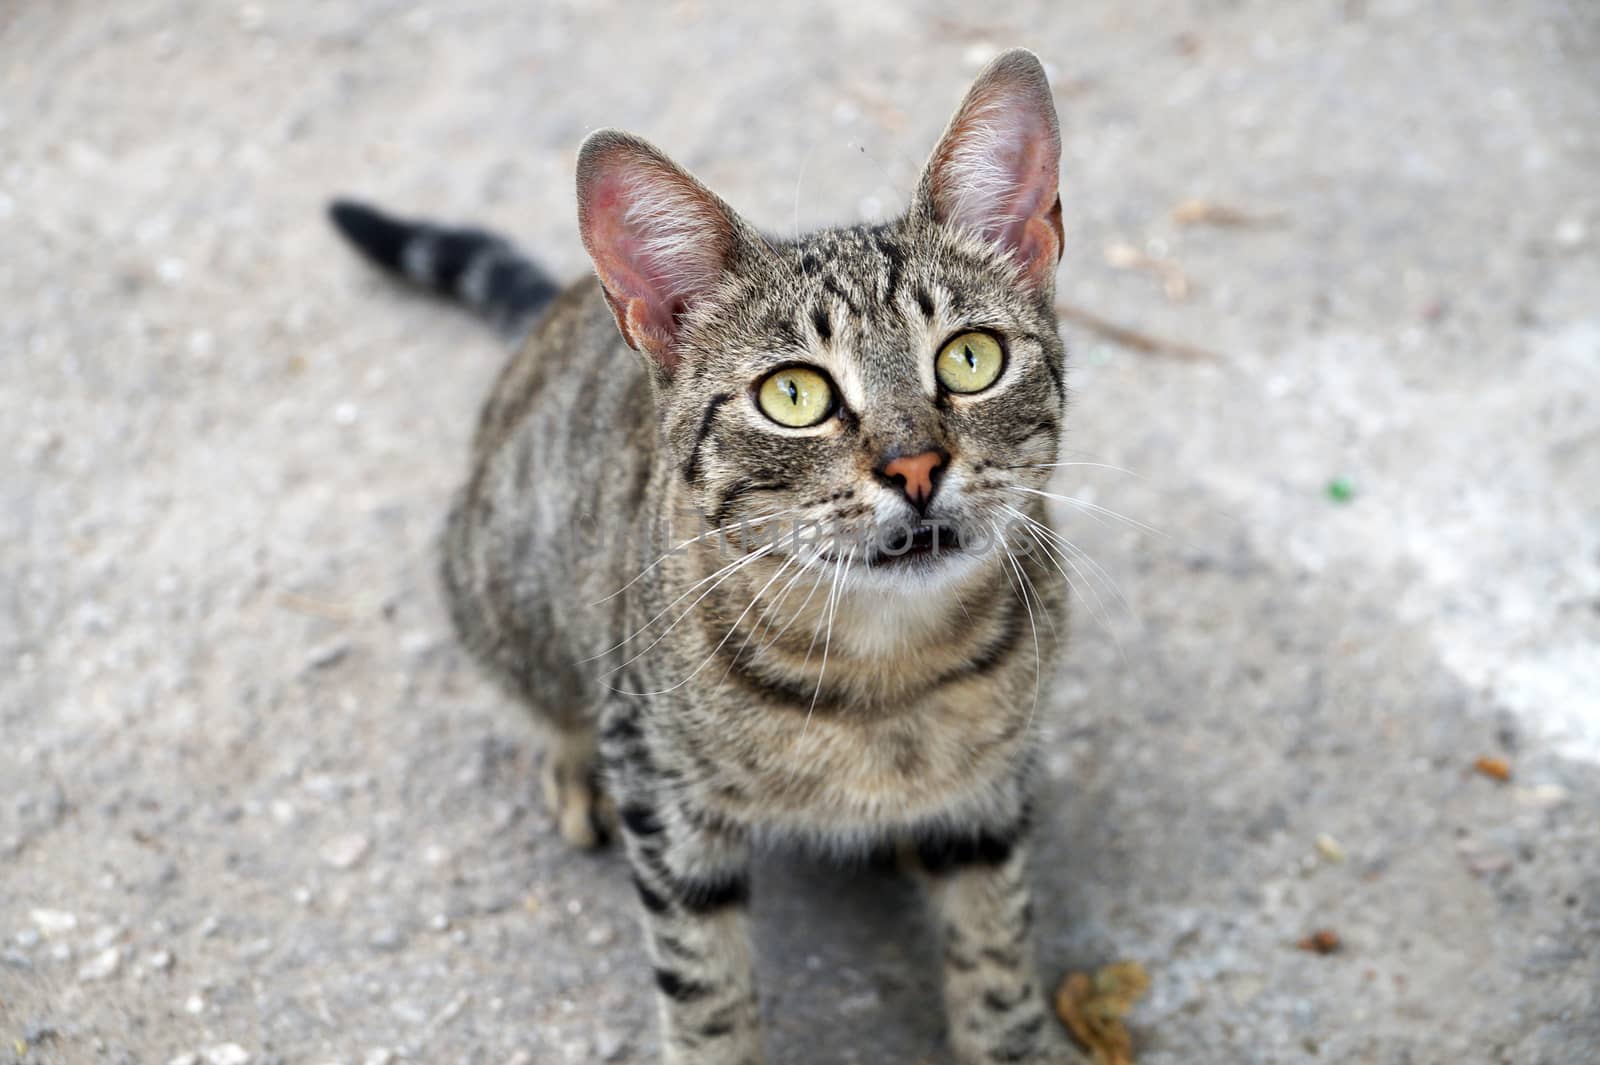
(584, 816)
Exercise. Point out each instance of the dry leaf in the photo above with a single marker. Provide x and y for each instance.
(1206, 213)
(1322, 941)
(1123, 256)
(1092, 1008)
(1494, 768)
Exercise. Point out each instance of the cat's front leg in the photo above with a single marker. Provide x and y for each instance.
(692, 875)
(976, 881)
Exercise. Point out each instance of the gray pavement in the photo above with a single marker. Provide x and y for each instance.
(256, 807)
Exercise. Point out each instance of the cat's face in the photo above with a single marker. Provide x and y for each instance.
(893, 392)
(870, 387)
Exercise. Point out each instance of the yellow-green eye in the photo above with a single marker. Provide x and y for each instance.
(796, 396)
(970, 362)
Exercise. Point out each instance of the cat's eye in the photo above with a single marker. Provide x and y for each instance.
(796, 396)
(970, 362)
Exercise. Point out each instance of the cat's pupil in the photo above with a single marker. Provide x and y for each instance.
(794, 393)
(972, 360)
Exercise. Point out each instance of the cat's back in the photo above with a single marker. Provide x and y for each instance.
(573, 369)
(560, 463)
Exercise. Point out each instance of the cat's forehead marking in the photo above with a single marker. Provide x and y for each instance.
(856, 295)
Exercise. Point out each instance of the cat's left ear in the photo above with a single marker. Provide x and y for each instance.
(660, 240)
(996, 168)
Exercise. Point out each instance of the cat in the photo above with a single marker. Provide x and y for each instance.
(857, 690)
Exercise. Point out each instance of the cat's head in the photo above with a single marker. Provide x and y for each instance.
(874, 380)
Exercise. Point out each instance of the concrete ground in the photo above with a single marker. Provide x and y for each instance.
(256, 805)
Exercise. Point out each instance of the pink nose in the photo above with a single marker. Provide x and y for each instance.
(915, 475)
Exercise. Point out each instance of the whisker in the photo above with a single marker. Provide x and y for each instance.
(1068, 550)
(762, 520)
(1054, 552)
(1032, 626)
(1088, 506)
(800, 610)
(1048, 555)
(728, 636)
(822, 673)
(1064, 465)
(761, 621)
(1022, 573)
(726, 572)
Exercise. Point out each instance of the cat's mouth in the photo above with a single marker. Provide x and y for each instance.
(915, 547)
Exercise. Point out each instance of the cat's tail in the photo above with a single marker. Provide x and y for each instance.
(484, 271)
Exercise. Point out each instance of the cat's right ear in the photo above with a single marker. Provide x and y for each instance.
(995, 171)
(659, 239)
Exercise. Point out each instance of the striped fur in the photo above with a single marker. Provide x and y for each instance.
(480, 269)
(692, 704)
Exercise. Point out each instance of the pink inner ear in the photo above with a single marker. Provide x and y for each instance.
(658, 240)
(996, 172)
(621, 259)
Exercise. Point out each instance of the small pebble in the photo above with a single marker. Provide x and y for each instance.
(102, 966)
(378, 1056)
(185, 1059)
(328, 654)
(346, 851)
(160, 961)
(226, 1054)
(1540, 797)
(54, 922)
(1571, 232)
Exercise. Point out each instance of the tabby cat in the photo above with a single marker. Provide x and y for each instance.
(889, 396)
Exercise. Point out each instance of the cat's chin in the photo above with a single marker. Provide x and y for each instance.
(917, 571)
(926, 547)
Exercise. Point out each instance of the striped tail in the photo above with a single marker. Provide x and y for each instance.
(480, 269)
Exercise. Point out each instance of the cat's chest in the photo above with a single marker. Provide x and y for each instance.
(873, 766)
(871, 718)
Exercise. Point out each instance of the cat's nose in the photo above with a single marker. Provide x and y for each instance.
(917, 476)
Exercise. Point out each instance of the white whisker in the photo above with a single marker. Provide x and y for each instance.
(1064, 465)
(1044, 536)
(1038, 665)
(757, 521)
(1088, 506)
(726, 637)
(822, 672)
(722, 575)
